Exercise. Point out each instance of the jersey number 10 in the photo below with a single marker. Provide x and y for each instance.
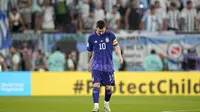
(102, 46)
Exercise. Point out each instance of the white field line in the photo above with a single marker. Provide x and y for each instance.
(197, 110)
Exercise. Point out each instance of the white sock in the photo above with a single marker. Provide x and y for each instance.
(96, 105)
(106, 103)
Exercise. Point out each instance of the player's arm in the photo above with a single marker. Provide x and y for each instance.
(89, 60)
(90, 52)
(118, 50)
(89, 56)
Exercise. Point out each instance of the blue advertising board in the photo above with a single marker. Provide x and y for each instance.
(15, 83)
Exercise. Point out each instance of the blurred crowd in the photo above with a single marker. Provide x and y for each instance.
(26, 59)
(156, 61)
(80, 16)
(72, 16)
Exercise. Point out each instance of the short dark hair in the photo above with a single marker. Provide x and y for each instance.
(12, 46)
(39, 51)
(114, 6)
(57, 48)
(173, 4)
(156, 2)
(100, 24)
(153, 51)
(152, 7)
(14, 9)
(189, 2)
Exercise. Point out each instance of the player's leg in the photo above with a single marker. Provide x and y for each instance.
(96, 90)
(108, 94)
(108, 82)
(95, 95)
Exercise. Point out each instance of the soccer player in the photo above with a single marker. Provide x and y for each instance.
(100, 47)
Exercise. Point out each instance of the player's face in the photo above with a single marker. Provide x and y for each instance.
(100, 31)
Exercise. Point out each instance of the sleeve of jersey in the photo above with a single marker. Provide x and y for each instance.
(115, 43)
(89, 45)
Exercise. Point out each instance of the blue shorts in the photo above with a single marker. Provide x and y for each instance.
(104, 78)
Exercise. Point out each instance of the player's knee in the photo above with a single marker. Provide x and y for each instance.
(108, 87)
(96, 85)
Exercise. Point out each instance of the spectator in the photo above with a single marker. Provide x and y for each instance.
(15, 21)
(16, 60)
(72, 27)
(76, 6)
(177, 2)
(122, 11)
(184, 2)
(63, 14)
(48, 16)
(25, 10)
(69, 62)
(12, 3)
(120, 7)
(74, 58)
(4, 7)
(37, 15)
(26, 52)
(113, 19)
(198, 17)
(108, 5)
(197, 4)
(68, 2)
(40, 61)
(86, 9)
(153, 62)
(143, 4)
(77, 22)
(164, 61)
(163, 4)
(161, 13)
(56, 61)
(89, 22)
(190, 60)
(189, 15)
(173, 17)
(150, 21)
(92, 5)
(3, 65)
(99, 13)
(133, 16)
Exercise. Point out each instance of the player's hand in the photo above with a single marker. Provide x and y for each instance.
(120, 60)
(89, 68)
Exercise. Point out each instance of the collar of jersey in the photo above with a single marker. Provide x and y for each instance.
(100, 35)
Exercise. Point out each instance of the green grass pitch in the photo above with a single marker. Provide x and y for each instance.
(84, 104)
